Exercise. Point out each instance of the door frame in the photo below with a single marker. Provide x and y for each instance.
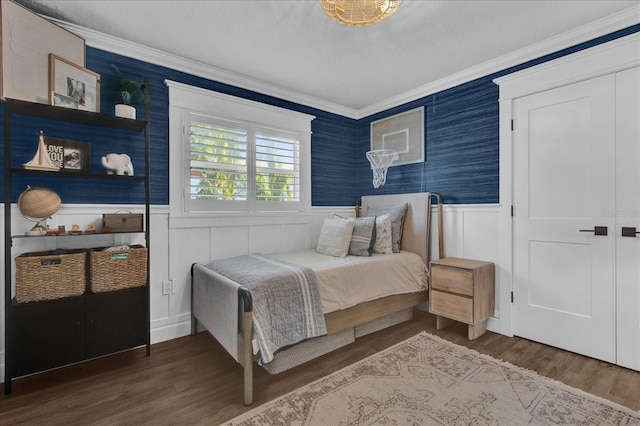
(607, 58)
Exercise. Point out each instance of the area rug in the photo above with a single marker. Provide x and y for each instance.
(426, 380)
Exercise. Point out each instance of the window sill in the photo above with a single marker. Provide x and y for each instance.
(209, 219)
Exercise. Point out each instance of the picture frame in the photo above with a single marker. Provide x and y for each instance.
(27, 40)
(403, 133)
(73, 81)
(69, 155)
(63, 101)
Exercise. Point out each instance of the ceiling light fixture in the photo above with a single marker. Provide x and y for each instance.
(357, 13)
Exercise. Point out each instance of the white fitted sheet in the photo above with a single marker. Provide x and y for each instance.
(344, 282)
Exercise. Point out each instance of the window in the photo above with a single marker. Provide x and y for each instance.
(233, 165)
(277, 167)
(232, 162)
(217, 163)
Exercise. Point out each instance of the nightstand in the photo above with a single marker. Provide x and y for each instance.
(462, 290)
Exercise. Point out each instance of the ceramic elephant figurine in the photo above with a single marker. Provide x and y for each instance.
(118, 164)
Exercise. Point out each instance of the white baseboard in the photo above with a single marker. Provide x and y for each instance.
(170, 328)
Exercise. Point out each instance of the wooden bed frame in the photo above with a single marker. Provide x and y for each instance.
(415, 238)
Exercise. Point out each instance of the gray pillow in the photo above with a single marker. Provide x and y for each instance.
(363, 237)
(398, 214)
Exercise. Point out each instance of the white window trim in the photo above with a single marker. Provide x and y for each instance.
(185, 99)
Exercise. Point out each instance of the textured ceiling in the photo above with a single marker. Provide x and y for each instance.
(292, 44)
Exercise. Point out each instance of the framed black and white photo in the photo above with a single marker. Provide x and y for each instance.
(69, 155)
(75, 82)
(403, 133)
(64, 101)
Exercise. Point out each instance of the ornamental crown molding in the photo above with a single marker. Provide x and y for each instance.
(618, 21)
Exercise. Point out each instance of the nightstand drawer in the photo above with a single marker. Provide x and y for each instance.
(454, 280)
(454, 307)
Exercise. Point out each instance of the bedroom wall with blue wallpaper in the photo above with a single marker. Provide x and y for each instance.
(332, 149)
(461, 152)
(332, 137)
(461, 137)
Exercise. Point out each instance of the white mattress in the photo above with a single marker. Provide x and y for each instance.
(346, 282)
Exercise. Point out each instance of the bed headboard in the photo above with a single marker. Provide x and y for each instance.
(415, 236)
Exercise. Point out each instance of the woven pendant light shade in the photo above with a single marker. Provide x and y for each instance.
(356, 13)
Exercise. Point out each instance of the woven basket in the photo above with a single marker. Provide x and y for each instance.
(47, 276)
(118, 269)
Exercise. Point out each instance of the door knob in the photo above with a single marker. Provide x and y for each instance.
(629, 231)
(598, 230)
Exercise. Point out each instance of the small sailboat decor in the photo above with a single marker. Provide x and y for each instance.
(41, 161)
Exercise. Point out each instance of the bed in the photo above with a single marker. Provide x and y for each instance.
(226, 308)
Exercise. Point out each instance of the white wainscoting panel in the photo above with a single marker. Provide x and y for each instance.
(470, 231)
(236, 241)
(203, 239)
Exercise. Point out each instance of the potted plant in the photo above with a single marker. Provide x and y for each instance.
(128, 92)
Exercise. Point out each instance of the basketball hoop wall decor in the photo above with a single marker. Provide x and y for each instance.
(402, 133)
(380, 161)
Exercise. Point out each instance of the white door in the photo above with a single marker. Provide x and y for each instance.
(564, 184)
(627, 215)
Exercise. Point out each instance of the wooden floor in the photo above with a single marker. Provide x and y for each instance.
(192, 380)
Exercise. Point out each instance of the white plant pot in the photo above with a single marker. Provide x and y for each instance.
(125, 111)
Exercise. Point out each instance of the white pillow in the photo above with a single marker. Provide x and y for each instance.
(335, 237)
(383, 243)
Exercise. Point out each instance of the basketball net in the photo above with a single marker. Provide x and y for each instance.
(380, 161)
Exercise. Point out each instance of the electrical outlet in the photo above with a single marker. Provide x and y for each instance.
(166, 288)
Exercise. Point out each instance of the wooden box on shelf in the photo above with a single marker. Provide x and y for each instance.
(462, 290)
(122, 222)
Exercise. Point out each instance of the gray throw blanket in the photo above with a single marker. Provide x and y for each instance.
(286, 301)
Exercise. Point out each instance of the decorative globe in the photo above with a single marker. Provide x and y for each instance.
(38, 204)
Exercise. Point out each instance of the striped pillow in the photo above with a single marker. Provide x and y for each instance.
(363, 237)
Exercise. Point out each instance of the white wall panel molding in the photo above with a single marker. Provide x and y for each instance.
(470, 231)
(170, 328)
(205, 238)
(241, 219)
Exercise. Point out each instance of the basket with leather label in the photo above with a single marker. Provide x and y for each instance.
(122, 222)
(117, 268)
(49, 275)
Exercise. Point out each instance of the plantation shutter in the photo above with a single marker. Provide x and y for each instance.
(218, 164)
(236, 158)
(241, 166)
(277, 166)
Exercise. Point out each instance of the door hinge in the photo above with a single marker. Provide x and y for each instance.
(513, 125)
(511, 297)
(512, 210)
